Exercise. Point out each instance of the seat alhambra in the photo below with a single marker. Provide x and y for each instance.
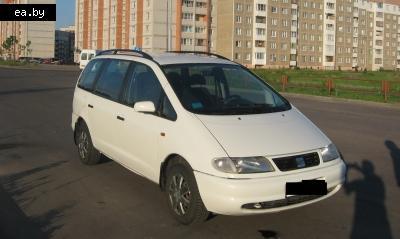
(214, 136)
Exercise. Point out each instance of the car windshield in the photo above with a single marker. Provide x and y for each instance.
(222, 89)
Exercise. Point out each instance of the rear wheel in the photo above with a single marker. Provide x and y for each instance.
(88, 154)
(183, 195)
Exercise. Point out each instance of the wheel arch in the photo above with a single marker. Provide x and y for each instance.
(164, 166)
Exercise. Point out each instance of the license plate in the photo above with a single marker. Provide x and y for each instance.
(307, 187)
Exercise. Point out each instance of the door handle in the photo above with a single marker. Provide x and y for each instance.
(90, 106)
(120, 118)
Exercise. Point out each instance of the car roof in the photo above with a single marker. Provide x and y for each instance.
(169, 58)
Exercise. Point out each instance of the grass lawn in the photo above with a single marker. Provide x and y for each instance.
(347, 84)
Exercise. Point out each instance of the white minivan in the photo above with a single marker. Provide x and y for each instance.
(85, 56)
(214, 136)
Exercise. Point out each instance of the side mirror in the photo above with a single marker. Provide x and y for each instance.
(144, 107)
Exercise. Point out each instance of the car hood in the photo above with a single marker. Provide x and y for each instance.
(265, 134)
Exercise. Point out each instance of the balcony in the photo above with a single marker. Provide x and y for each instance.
(261, 19)
(293, 51)
(293, 40)
(354, 54)
(259, 44)
(292, 63)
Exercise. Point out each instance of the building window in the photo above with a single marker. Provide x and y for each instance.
(238, 43)
(238, 19)
(259, 55)
(187, 41)
(261, 7)
(186, 28)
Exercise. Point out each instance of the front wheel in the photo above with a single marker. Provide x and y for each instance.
(183, 195)
(88, 154)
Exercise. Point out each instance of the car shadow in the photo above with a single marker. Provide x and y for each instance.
(395, 154)
(269, 234)
(14, 223)
(370, 218)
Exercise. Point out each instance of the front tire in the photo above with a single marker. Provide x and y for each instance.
(88, 154)
(183, 195)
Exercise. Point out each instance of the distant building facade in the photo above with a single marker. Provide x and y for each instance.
(318, 34)
(65, 44)
(153, 25)
(40, 34)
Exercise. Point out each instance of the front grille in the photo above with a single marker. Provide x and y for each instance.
(297, 161)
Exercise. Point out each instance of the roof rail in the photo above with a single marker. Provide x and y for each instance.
(200, 53)
(135, 52)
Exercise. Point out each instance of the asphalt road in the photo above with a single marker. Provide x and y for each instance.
(46, 192)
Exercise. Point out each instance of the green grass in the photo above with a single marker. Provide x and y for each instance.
(347, 84)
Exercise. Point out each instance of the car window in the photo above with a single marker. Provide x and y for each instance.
(84, 56)
(89, 74)
(91, 56)
(143, 86)
(167, 111)
(219, 89)
(111, 80)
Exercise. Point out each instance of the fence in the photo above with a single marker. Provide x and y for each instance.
(387, 89)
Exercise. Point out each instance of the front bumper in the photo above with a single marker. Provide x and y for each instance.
(228, 196)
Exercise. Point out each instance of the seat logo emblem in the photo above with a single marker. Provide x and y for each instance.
(300, 162)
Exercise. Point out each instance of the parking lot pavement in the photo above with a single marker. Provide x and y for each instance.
(46, 192)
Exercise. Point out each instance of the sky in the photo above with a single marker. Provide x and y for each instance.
(65, 13)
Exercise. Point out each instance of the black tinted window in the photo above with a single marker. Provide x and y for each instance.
(89, 74)
(110, 82)
(143, 86)
(84, 56)
(167, 110)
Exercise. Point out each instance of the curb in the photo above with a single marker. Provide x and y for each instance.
(343, 100)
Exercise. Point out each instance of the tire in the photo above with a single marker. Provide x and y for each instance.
(184, 201)
(88, 154)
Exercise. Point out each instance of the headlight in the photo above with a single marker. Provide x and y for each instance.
(243, 165)
(329, 153)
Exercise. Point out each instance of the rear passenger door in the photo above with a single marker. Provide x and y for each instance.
(105, 100)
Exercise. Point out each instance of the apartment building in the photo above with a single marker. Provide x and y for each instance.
(153, 25)
(318, 34)
(40, 34)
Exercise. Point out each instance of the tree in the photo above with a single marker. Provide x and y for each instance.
(27, 47)
(7, 46)
(10, 43)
